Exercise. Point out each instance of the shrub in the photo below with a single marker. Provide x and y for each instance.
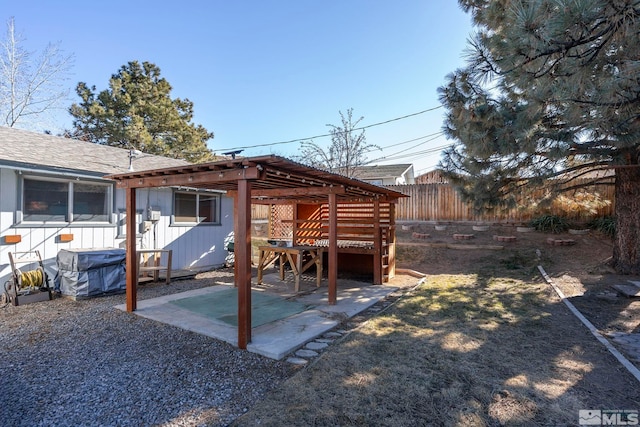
(605, 224)
(550, 223)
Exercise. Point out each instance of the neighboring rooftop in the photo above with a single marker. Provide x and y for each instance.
(435, 176)
(381, 171)
(21, 148)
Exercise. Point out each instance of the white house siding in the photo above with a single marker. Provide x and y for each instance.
(194, 247)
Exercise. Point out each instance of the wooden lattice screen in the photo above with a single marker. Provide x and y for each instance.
(355, 222)
(281, 222)
(365, 238)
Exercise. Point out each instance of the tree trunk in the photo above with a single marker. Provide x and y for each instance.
(626, 253)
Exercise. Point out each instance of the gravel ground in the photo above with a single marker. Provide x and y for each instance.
(86, 363)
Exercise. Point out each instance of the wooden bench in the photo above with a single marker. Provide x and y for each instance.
(157, 267)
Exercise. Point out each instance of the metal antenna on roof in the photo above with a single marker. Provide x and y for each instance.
(132, 155)
(233, 153)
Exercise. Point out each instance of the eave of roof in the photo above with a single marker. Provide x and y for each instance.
(20, 147)
(274, 179)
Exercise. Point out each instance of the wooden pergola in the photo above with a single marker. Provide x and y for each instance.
(260, 180)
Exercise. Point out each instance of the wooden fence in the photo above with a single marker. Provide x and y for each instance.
(441, 202)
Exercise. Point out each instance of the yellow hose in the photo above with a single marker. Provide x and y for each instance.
(31, 279)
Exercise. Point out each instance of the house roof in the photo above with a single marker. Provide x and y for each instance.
(273, 179)
(31, 150)
(382, 171)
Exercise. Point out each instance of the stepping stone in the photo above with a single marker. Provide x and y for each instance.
(504, 238)
(324, 340)
(419, 235)
(297, 361)
(462, 236)
(333, 335)
(306, 353)
(560, 242)
(316, 345)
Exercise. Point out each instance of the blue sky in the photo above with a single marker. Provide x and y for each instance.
(262, 72)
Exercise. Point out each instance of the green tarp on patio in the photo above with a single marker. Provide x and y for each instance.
(223, 306)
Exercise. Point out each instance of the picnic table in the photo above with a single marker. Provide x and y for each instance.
(295, 256)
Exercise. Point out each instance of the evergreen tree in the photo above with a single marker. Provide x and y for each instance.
(551, 93)
(136, 111)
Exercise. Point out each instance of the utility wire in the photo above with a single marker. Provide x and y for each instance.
(329, 134)
(436, 134)
(417, 153)
(394, 156)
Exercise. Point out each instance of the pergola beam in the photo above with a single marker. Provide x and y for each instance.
(208, 177)
(299, 191)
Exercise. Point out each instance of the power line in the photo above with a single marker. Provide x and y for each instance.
(394, 156)
(412, 157)
(328, 134)
(436, 134)
(417, 153)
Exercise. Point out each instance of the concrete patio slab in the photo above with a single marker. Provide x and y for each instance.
(278, 338)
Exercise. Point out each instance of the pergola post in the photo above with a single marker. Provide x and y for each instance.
(242, 248)
(131, 258)
(377, 244)
(392, 240)
(235, 264)
(333, 249)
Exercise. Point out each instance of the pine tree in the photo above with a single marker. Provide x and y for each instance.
(137, 112)
(551, 91)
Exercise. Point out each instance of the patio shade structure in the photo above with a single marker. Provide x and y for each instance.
(261, 180)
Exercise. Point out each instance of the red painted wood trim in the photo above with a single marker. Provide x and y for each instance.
(13, 238)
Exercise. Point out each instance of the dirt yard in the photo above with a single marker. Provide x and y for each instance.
(484, 341)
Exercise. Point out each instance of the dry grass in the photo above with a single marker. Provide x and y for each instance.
(488, 344)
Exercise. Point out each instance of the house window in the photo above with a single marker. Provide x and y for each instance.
(122, 223)
(64, 201)
(45, 200)
(196, 207)
(90, 202)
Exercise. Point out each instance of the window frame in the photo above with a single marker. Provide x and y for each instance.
(197, 193)
(122, 223)
(68, 216)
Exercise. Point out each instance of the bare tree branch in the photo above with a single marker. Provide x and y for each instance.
(30, 88)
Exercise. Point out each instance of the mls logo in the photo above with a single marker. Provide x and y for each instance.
(608, 417)
(590, 417)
